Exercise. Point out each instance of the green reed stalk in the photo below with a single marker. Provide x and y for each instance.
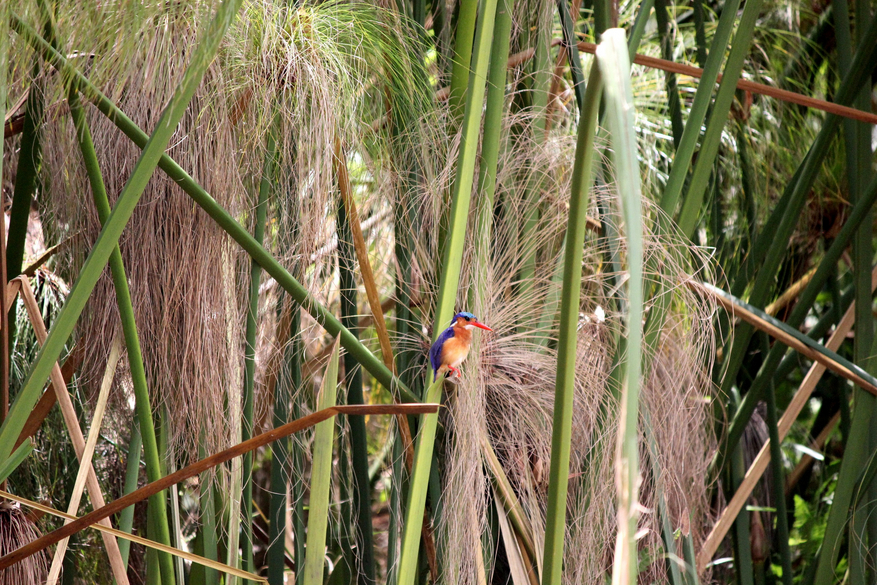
(132, 474)
(612, 57)
(712, 139)
(353, 380)
(321, 476)
(702, 99)
(157, 504)
(423, 452)
(17, 458)
(26, 177)
(639, 28)
(742, 543)
(202, 575)
(283, 458)
(854, 459)
(112, 230)
(569, 315)
(779, 485)
(452, 257)
(463, 40)
(265, 188)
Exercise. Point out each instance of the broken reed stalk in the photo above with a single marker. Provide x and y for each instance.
(194, 469)
(371, 288)
(790, 337)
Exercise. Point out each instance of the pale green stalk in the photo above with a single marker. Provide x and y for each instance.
(569, 315)
(321, 476)
(612, 57)
(417, 488)
(462, 191)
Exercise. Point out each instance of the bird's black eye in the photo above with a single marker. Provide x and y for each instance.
(468, 318)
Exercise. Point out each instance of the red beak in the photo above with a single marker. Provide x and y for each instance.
(482, 326)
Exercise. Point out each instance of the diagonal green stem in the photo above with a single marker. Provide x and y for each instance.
(703, 168)
(688, 143)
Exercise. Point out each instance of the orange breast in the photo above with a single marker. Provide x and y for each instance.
(454, 351)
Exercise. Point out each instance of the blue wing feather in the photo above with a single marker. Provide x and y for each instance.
(435, 352)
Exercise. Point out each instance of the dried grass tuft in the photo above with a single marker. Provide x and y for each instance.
(17, 530)
(182, 269)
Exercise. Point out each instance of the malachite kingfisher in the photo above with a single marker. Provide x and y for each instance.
(452, 346)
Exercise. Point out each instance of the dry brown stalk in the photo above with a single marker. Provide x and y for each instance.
(72, 423)
(759, 88)
(85, 462)
(371, 288)
(758, 467)
(150, 489)
(790, 294)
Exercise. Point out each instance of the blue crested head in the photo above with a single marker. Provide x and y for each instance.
(465, 315)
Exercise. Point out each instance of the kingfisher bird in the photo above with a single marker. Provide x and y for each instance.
(452, 346)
